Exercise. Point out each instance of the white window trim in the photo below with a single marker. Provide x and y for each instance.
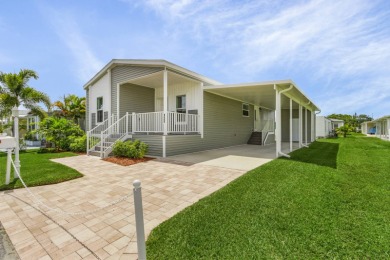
(97, 110)
(242, 111)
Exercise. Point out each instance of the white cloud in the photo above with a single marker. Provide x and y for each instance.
(69, 31)
(343, 46)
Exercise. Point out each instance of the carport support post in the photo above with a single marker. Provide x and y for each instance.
(291, 126)
(300, 126)
(139, 220)
(305, 126)
(278, 123)
(165, 96)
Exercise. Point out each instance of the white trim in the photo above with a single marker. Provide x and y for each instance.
(291, 125)
(201, 110)
(118, 90)
(242, 107)
(165, 101)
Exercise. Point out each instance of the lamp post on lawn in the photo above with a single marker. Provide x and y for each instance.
(15, 114)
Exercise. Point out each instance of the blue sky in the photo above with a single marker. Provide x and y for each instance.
(338, 52)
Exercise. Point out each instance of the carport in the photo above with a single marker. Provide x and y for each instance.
(240, 157)
(294, 112)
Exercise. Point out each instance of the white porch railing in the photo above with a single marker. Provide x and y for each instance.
(101, 138)
(153, 122)
(93, 135)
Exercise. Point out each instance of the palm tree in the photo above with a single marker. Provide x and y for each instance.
(14, 91)
(72, 107)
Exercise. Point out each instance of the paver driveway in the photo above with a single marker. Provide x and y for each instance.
(168, 187)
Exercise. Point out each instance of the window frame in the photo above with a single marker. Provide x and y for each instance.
(245, 110)
(99, 110)
(182, 109)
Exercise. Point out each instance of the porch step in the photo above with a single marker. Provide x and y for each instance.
(256, 138)
(94, 153)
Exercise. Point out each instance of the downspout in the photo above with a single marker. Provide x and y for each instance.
(279, 120)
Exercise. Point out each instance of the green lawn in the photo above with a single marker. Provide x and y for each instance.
(37, 169)
(331, 201)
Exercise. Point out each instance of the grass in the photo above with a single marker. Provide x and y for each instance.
(37, 169)
(331, 200)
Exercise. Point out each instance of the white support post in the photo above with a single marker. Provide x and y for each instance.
(201, 116)
(278, 123)
(312, 126)
(165, 96)
(127, 123)
(291, 133)
(133, 122)
(388, 128)
(164, 144)
(8, 173)
(118, 90)
(300, 126)
(305, 126)
(139, 220)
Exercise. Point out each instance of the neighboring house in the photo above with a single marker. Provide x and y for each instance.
(176, 111)
(323, 127)
(383, 127)
(336, 123)
(326, 127)
(368, 128)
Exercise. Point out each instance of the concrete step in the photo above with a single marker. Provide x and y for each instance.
(94, 153)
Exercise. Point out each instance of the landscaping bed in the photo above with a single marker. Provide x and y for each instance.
(125, 161)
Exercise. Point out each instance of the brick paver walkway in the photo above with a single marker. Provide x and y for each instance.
(167, 188)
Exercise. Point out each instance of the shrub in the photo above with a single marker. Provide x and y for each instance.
(78, 144)
(31, 136)
(47, 150)
(59, 131)
(136, 149)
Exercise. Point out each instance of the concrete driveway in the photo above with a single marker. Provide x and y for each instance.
(241, 157)
(168, 187)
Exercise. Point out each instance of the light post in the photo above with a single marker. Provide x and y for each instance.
(15, 114)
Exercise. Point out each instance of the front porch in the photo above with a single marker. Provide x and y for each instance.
(101, 138)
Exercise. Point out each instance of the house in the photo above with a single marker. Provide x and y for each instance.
(326, 127)
(383, 127)
(323, 127)
(175, 110)
(368, 128)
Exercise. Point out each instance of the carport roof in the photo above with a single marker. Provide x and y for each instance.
(263, 93)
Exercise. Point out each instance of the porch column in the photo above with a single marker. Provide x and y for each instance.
(118, 90)
(291, 126)
(300, 126)
(388, 128)
(278, 131)
(165, 97)
(312, 126)
(305, 126)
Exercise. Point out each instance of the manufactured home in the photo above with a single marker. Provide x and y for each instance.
(326, 127)
(176, 111)
(383, 127)
(368, 128)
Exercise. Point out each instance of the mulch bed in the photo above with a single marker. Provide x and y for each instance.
(124, 161)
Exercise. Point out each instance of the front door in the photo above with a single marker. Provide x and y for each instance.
(257, 116)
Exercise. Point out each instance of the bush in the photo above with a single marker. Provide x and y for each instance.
(59, 131)
(30, 136)
(136, 149)
(78, 144)
(47, 150)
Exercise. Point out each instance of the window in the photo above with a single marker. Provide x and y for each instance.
(181, 104)
(99, 108)
(245, 110)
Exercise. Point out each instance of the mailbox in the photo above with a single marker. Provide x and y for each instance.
(7, 142)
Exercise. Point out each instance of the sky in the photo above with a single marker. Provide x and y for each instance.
(337, 52)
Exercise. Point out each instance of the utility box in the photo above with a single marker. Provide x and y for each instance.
(7, 142)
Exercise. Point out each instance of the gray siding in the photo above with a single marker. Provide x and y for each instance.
(154, 141)
(224, 126)
(134, 98)
(122, 74)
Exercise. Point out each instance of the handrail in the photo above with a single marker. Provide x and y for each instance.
(117, 131)
(93, 135)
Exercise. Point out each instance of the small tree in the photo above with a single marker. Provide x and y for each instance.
(344, 130)
(59, 131)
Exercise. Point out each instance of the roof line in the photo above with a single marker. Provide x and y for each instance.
(144, 62)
